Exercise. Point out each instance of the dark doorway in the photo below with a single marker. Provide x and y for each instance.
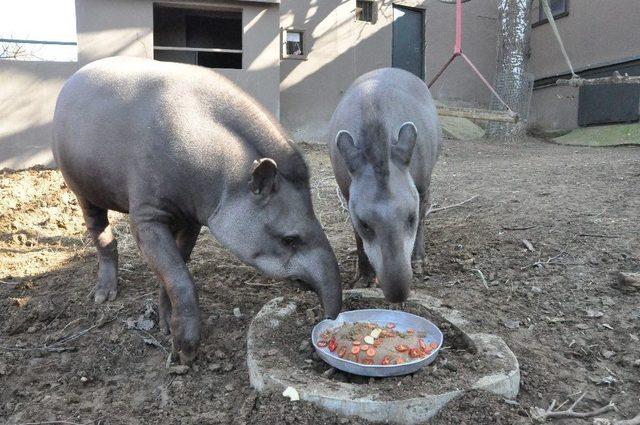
(408, 40)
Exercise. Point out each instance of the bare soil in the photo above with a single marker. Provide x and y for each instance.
(62, 358)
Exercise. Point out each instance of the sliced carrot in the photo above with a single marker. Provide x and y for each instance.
(364, 347)
(401, 348)
(333, 345)
(423, 344)
(342, 351)
(371, 352)
(391, 325)
(322, 344)
(433, 345)
(356, 342)
(385, 360)
(355, 349)
(400, 360)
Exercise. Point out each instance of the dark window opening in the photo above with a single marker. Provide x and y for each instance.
(209, 38)
(559, 9)
(295, 43)
(365, 10)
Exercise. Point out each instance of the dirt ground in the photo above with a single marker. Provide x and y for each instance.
(557, 306)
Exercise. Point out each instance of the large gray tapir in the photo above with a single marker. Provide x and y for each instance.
(178, 147)
(384, 142)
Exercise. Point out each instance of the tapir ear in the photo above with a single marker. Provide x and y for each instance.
(263, 179)
(351, 154)
(402, 149)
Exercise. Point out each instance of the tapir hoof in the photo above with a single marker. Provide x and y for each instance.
(418, 267)
(105, 292)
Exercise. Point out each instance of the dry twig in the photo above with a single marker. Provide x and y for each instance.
(482, 278)
(432, 210)
(542, 415)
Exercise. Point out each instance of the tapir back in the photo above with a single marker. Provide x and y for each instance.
(166, 128)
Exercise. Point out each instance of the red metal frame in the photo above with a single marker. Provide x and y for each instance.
(457, 51)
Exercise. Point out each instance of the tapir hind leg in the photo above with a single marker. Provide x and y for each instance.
(97, 223)
(186, 239)
(158, 246)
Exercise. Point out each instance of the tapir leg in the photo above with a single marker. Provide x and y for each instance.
(186, 239)
(418, 254)
(158, 246)
(97, 223)
(366, 275)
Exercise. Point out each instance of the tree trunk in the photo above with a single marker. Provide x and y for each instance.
(513, 81)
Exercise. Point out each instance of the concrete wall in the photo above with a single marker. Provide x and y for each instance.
(340, 49)
(28, 93)
(28, 90)
(594, 33)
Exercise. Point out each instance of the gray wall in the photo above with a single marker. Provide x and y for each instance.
(28, 93)
(594, 33)
(28, 90)
(340, 49)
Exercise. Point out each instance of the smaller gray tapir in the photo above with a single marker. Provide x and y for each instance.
(384, 140)
(178, 147)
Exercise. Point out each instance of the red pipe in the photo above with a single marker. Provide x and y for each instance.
(457, 49)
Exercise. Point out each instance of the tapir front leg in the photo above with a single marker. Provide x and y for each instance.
(366, 275)
(418, 254)
(158, 246)
(186, 239)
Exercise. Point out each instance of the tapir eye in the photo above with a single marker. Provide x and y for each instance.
(412, 220)
(365, 227)
(291, 241)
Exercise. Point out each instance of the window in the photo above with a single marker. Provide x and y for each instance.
(293, 46)
(365, 10)
(559, 9)
(205, 37)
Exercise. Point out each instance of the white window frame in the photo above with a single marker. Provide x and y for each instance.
(283, 43)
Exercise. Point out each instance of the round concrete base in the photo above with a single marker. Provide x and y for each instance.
(348, 399)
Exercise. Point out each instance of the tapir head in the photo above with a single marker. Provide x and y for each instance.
(269, 223)
(384, 202)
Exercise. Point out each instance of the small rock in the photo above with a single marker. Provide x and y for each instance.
(311, 316)
(214, 367)
(220, 354)
(637, 363)
(145, 324)
(228, 387)
(329, 372)
(237, 312)
(511, 324)
(272, 352)
(452, 367)
(607, 354)
(84, 379)
(179, 369)
(304, 346)
(3, 369)
(607, 380)
(228, 367)
(594, 313)
(536, 290)
(32, 329)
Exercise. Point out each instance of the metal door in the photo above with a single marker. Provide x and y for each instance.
(408, 40)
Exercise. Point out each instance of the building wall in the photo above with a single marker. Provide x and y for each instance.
(28, 93)
(340, 49)
(120, 27)
(594, 33)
